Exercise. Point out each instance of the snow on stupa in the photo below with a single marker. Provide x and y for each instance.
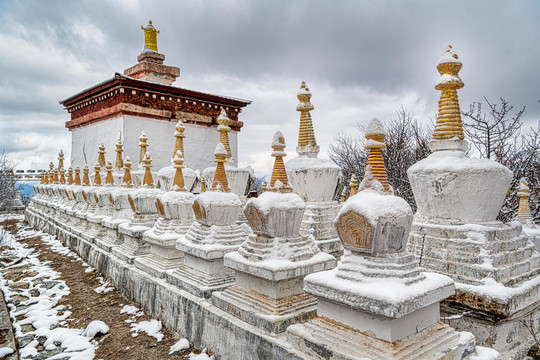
(377, 303)
(271, 264)
(315, 180)
(456, 232)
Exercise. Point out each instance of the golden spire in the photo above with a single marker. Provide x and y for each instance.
(77, 175)
(97, 175)
(127, 181)
(109, 180)
(264, 185)
(449, 125)
(42, 178)
(524, 211)
(148, 181)
(62, 178)
(220, 177)
(70, 176)
(179, 135)
(86, 176)
(60, 160)
(203, 185)
(55, 176)
(143, 144)
(178, 182)
(375, 135)
(344, 195)
(307, 144)
(223, 129)
(353, 185)
(119, 150)
(101, 155)
(150, 36)
(279, 181)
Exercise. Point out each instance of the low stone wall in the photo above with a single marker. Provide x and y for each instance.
(195, 318)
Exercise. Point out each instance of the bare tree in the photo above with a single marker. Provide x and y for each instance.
(407, 142)
(497, 136)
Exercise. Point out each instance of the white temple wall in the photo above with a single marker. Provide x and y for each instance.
(199, 143)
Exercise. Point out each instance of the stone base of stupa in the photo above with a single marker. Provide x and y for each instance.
(133, 245)
(95, 229)
(13, 206)
(238, 179)
(496, 270)
(323, 338)
(163, 254)
(201, 277)
(165, 178)
(112, 237)
(318, 221)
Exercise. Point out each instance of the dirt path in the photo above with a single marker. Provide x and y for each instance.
(87, 305)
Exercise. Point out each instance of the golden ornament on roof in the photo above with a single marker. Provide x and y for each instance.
(150, 36)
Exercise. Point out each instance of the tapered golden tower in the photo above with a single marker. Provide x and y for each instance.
(264, 185)
(279, 181)
(220, 182)
(143, 144)
(86, 176)
(307, 144)
(448, 133)
(375, 135)
(62, 177)
(101, 155)
(97, 175)
(70, 176)
(178, 182)
(179, 135)
(119, 164)
(203, 185)
(77, 180)
(109, 179)
(60, 160)
(148, 181)
(524, 211)
(127, 181)
(353, 184)
(224, 129)
(55, 179)
(150, 36)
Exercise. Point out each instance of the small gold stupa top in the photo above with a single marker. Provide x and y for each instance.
(224, 129)
(449, 125)
(97, 175)
(101, 155)
(86, 176)
(307, 144)
(60, 160)
(143, 144)
(203, 185)
(279, 181)
(178, 182)
(62, 177)
(375, 135)
(77, 180)
(148, 181)
(353, 185)
(70, 176)
(127, 181)
(119, 151)
(264, 185)
(220, 182)
(150, 36)
(179, 135)
(524, 211)
(109, 179)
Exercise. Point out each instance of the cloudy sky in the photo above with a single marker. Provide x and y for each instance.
(360, 59)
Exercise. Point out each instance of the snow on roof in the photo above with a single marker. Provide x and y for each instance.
(213, 197)
(454, 160)
(273, 200)
(301, 162)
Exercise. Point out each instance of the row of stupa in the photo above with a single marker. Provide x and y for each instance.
(378, 302)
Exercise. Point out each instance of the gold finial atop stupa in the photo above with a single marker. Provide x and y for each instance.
(143, 144)
(101, 155)
(86, 176)
(449, 127)
(77, 180)
(353, 185)
(42, 178)
(524, 211)
(119, 165)
(127, 181)
(62, 177)
(178, 182)
(179, 135)
(220, 182)
(264, 185)
(375, 135)
(70, 176)
(279, 181)
(150, 36)
(203, 185)
(344, 195)
(307, 144)
(109, 179)
(55, 176)
(97, 175)
(224, 129)
(60, 160)
(148, 181)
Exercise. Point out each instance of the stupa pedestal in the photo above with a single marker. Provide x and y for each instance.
(315, 181)
(121, 213)
(455, 232)
(271, 264)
